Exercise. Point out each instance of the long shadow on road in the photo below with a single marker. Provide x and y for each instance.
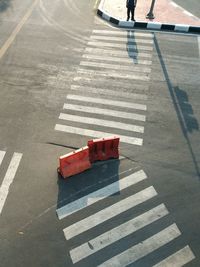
(184, 111)
(4, 5)
(73, 188)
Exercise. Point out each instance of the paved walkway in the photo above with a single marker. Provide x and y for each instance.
(165, 11)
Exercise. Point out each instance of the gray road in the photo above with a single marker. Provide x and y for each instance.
(193, 6)
(64, 50)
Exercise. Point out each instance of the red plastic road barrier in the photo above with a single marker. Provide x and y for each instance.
(104, 148)
(74, 162)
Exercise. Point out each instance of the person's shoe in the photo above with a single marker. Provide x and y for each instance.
(127, 19)
(133, 19)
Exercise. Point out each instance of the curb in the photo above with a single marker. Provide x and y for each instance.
(148, 25)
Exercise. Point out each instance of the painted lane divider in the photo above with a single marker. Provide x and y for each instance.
(9, 177)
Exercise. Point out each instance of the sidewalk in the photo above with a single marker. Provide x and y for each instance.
(165, 12)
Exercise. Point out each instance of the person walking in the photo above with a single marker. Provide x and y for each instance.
(130, 5)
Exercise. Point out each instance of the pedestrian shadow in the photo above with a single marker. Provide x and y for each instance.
(131, 47)
(4, 5)
(80, 186)
(189, 120)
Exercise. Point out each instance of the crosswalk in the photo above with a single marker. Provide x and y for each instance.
(109, 92)
(8, 176)
(107, 237)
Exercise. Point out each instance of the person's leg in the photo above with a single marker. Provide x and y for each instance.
(128, 13)
(133, 14)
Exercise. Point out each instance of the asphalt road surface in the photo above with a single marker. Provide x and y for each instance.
(193, 6)
(66, 77)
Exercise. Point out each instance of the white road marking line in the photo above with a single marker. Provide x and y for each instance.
(144, 248)
(122, 46)
(123, 33)
(13, 35)
(100, 194)
(131, 76)
(109, 212)
(178, 259)
(187, 13)
(8, 179)
(107, 102)
(127, 60)
(97, 90)
(127, 39)
(117, 53)
(173, 4)
(103, 123)
(115, 67)
(117, 233)
(2, 154)
(107, 112)
(97, 134)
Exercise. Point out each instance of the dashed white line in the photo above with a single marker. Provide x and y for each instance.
(8, 179)
(2, 154)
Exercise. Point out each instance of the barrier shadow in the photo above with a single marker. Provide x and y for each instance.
(100, 175)
(131, 46)
(4, 5)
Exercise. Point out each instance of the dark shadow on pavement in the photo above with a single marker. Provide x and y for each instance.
(100, 175)
(4, 5)
(189, 120)
(182, 107)
(131, 47)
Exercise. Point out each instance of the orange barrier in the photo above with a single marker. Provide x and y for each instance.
(103, 149)
(74, 162)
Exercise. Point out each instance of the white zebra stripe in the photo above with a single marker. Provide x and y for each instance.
(178, 259)
(2, 154)
(123, 33)
(144, 248)
(114, 74)
(103, 123)
(127, 60)
(116, 53)
(122, 46)
(127, 39)
(106, 112)
(114, 66)
(97, 90)
(109, 212)
(100, 194)
(8, 179)
(97, 134)
(107, 102)
(117, 233)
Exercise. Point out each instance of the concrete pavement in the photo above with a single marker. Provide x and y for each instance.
(168, 15)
